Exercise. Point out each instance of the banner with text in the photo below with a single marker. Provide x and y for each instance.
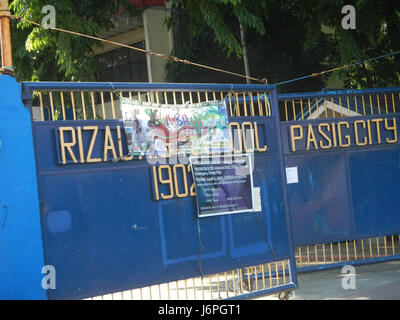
(223, 186)
(160, 129)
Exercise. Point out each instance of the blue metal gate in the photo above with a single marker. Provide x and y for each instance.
(345, 146)
(326, 163)
(122, 226)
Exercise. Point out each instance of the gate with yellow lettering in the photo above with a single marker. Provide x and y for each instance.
(127, 228)
(342, 155)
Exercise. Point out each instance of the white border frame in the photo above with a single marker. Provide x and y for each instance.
(248, 155)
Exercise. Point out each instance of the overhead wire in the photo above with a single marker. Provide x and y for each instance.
(148, 52)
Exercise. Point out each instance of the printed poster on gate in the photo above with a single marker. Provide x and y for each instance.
(159, 129)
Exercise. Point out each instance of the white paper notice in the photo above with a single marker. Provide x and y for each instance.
(257, 199)
(292, 175)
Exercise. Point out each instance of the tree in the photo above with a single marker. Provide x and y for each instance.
(307, 37)
(286, 38)
(377, 32)
(277, 54)
(49, 55)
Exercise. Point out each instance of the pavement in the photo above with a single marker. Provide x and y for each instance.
(372, 282)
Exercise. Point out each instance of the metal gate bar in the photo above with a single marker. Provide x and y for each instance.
(100, 101)
(342, 104)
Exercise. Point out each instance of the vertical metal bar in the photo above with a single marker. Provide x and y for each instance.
(102, 104)
(244, 104)
(251, 104)
(294, 111)
(230, 104)
(234, 282)
(241, 280)
(237, 104)
(394, 109)
(41, 105)
(340, 252)
(83, 105)
(202, 288)
(370, 104)
(347, 250)
(316, 100)
(174, 96)
(93, 105)
(51, 106)
(340, 104)
(386, 105)
(190, 96)
(355, 250)
(316, 254)
(301, 106)
(63, 105)
(226, 285)
(270, 275)
(363, 103)
(393, 251)
(211, 288)
(362, 248)
(73, 105)
(286, 111)
(218, 287)
(370, 248)
(326, 108)
(284, 271)
(300, 257)
(355, 101)
(256, 275)
(263, 275)
(165, 97)
(150, 293)
(385, 245)
(248, 278)
(379, 105)
(277, 273)
(112, 105)
(309, 108)
(377, 246)
(268, 111)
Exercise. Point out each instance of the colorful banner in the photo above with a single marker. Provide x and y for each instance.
(152, 129)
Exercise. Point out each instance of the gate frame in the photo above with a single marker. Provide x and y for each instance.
(29, 87)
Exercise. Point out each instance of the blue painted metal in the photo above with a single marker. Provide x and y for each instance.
(103, 231)
(344, 193)
(21, 252)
